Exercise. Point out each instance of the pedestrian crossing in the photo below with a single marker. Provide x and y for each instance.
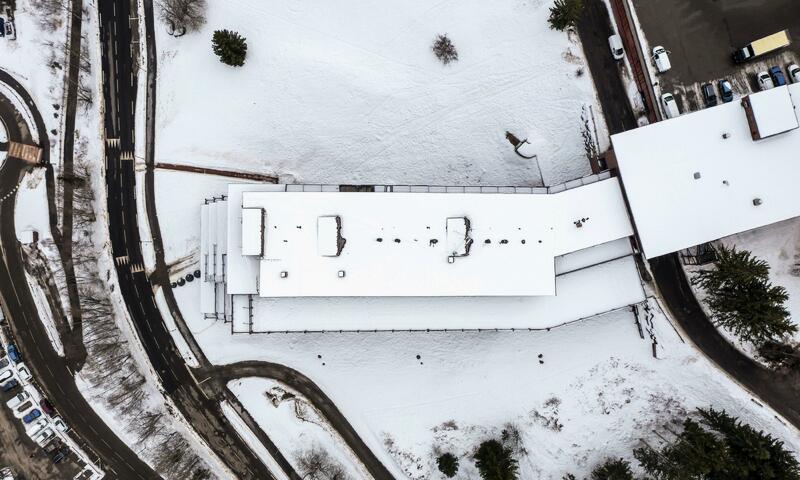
(113, 142)
(123, 260)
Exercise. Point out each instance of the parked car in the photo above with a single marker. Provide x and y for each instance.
(777, 76)
(17, 399)
(615, 43)
(2, 27)
(661, 57)
(51, 447)
(43, 436)
(60, 425)
(709, 95)
(23, 409)
(3, 362)
(725, 90)
(23, 372)
(13, 383)
(671, 109)
(61, 454)
(13, 354)
(32, 415)
(764, 81)
(794, 73)
(6, 375)
(47, 407)
(36, 426)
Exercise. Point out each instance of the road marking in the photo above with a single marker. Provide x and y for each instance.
(126, 155)
(121, 260)
(113, 142)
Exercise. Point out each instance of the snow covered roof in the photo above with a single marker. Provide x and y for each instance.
(770, 112)
(701, 176)
(253, 231)
(417, 244)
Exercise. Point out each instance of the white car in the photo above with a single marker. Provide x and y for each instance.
(35, 427)
(671, 109)
(17, 400)
(615, 43)
(764, 81)
(6, 375)
(60, 425)
(42, 437)
(794, 73)
(23, 372)
(661, 57)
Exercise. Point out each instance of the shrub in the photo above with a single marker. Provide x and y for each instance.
(495, 462)
(448, 464)
(444, 49)
(613, 469)
(230, 47)
(565, 14)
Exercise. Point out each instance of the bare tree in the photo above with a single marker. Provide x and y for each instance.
(182, 16)
(444, 49)
(316, 464)
(51, 13)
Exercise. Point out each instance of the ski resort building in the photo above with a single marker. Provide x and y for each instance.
(713, 173)
(296, 243)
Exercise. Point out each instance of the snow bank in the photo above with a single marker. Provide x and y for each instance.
(292, 423)
(252, 440)
(347, 93)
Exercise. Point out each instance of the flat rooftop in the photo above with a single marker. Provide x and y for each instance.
(701, 176)
(394, 244)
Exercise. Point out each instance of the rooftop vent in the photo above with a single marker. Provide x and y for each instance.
(697, 175)
(756, 201)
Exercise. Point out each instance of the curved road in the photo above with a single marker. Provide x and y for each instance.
(50, 371)
(781, 392)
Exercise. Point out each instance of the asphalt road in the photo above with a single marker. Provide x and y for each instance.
(50, 371)
(781, 392)
(120, 82)
(594, 29)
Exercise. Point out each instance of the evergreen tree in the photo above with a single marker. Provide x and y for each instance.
(742, 299)
(751, 453)
(613, 469)
(448, 464)
(230, 47)
(495, 462)
(696, 453)
(780, 355)
(565, 13)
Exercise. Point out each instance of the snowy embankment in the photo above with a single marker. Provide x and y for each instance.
(252, 440)
(346, 93)
(294, 424)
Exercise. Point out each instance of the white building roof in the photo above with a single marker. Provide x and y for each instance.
(673, 210)
(773, 111)
(397, 244)
(253, 231)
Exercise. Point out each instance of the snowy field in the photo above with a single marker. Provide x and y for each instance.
(350, 93)
(598, 392)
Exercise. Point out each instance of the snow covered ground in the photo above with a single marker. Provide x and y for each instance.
(293, 423)
(350, 93)
(29, 59)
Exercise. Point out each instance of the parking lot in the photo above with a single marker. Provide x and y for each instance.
(701, 35)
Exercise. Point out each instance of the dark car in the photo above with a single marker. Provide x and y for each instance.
(725, 90)
(61, 455)
(2, 27)
(47, 406)
(709, 95)
(13, 354)
(33, 415)
(10, 384)
(777, 76)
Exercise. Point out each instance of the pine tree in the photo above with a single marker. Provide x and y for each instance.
(751, 453)
(613, 469)
(695, 453)
(448, 464)
(742, 299)
(565, 13)
(230, 47)
(780, 355)
(495, 462)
